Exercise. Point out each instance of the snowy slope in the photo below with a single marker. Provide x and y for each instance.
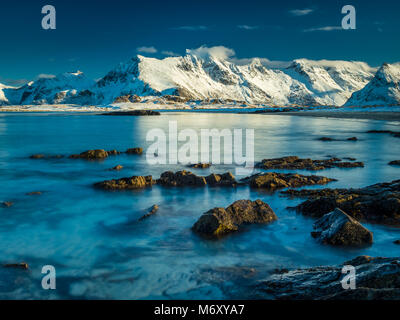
(383, 89)
(331, 82)
(52, 90)
(201, 79)
(4, 93)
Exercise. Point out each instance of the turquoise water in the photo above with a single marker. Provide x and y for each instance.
(99, 251)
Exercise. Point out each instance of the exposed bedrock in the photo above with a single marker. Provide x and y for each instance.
(376, 279)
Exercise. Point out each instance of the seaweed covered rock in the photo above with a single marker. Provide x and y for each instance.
(273, 180)
(220, 221)
(379, 203)
(296, 163)
(376, 279)
(135, 182)
(339, 229)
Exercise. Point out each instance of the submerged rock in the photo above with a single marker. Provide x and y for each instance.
(7, 204)
(396, 242)
(376, 279)
(379, 203)
(21, 265)
(43, 156)
(34, 193)
(135, 182)
(339, 229)
(395, 163)
(273, 180)
(134, 151)
(393, 133)
(152, 211)
(116, 168)
(296, 163)
(219, 221)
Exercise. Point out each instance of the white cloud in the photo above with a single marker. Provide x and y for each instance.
(301, 12)
(190, 28)
(169, 53)
(327, 28)
(45, 76)
(217, 52)
(247, 27)
(146, 49)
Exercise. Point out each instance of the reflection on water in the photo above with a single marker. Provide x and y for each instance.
(100, 251)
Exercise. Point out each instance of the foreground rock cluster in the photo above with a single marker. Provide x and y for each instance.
(376, 279)
(221, 221)
(379, 203)
(273, 180)
(170, 179)
(296, 163)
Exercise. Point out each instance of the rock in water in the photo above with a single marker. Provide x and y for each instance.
(395, 163)
(181, 178)
(7, 204)
(134, 151)
(135, 182)
(152, 211)
(339, 229)
(219, 221)
(377, 278)
(21, 265)
(379, 203)
(91, 155)
(116, 168)
(274, 180)
(296, 163)
(200, 165)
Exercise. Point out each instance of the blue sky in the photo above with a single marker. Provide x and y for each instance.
(94, 36)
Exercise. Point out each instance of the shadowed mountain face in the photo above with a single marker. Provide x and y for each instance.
(304, 82)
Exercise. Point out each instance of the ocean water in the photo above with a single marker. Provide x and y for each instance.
(99, 250)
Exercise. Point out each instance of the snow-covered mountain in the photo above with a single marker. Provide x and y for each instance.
(4, 93)
(50, 90)
(383, 89)
(190, 77)
(331, 82)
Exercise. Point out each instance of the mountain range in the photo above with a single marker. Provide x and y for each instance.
(193, 78)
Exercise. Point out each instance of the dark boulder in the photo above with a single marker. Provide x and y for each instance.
(219, 221)
(339, 229)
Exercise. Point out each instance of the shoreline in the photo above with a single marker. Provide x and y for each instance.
(360, 115)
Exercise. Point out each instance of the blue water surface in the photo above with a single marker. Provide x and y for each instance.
(100, 251)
